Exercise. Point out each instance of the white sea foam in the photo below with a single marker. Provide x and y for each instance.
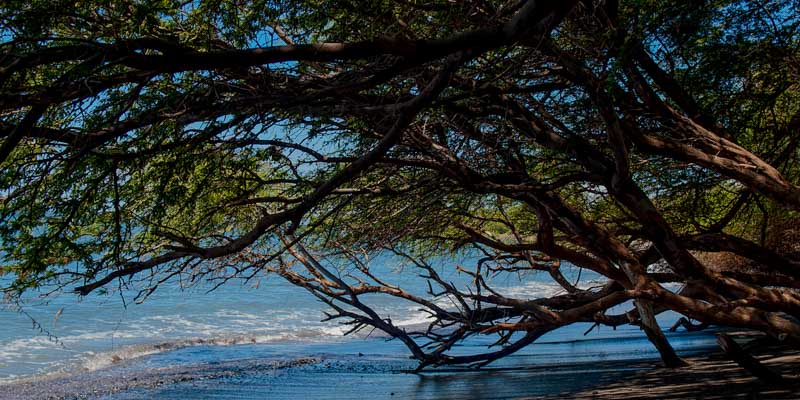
(95, 361)
(157, 334)
(92, 361)
(414, 320)
(20, 348)
(86, 350)
(334, 330)
(532, 290)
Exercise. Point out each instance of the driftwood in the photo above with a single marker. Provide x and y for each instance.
(747, 361)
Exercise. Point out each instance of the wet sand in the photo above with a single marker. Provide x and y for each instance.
(107, 382)
(375, 379)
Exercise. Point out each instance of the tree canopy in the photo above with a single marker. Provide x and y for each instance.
(647, 141)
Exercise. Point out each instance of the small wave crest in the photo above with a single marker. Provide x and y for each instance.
(96, 361)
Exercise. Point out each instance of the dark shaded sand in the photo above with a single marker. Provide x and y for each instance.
(711, 377)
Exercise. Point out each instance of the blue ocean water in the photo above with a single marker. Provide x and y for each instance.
(265, 318)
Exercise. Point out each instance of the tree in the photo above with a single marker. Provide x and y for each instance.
(144, 140)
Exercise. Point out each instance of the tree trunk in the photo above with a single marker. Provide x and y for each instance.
(656, 336)
(746, 361)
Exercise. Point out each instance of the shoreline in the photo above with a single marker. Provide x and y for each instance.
(96, 383)
(710, 376)
(282, 378)
(341, 370)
